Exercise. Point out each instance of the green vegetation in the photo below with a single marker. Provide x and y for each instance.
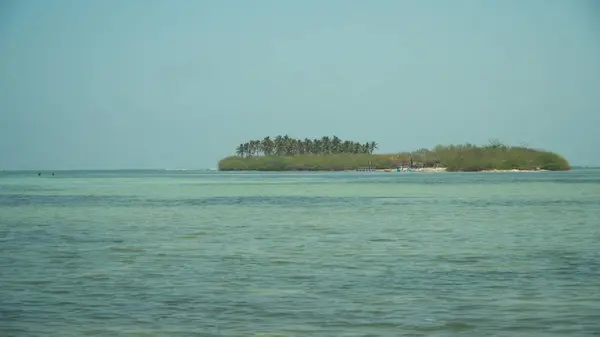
(333, 162)
(333, 154)
(493, 156)
(286, 146)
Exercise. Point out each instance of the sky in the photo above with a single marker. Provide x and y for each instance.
(118, 84)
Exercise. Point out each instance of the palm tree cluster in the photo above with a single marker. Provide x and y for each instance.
(287, 146)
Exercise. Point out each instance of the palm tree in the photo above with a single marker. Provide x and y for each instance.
(335, 144)
(373, 146)
(278, 145)
(317, 146)
(256, 145)
(366, 147)
(346, 146)
(267, 146)
(247, 149)
(287, 145)
(325, 145)
(308, 146)
(298, 149)
(240, 151)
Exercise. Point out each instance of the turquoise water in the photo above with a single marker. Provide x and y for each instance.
(191, 253)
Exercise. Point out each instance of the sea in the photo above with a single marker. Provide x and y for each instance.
(205, 253)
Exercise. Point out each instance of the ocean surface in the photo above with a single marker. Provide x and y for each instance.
(200, 253)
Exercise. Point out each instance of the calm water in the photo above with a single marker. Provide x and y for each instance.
(182, 253)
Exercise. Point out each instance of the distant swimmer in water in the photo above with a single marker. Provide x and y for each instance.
(52, 173)
(39, 174)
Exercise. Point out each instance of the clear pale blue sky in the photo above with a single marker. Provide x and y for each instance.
(178, 84)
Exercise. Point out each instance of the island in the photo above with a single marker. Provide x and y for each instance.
(284, 153)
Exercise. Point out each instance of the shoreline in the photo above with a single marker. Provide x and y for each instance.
(421, 170)
(444, 170)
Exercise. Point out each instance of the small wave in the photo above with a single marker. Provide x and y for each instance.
(127, 249)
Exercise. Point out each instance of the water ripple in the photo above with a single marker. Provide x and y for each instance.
(151, 255)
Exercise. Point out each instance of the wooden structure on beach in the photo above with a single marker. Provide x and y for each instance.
(366, 169)
(369, 168)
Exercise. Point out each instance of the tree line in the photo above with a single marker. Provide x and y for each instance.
(287, 154)
(287, 146)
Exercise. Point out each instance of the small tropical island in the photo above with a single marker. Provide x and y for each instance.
(284, 153)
